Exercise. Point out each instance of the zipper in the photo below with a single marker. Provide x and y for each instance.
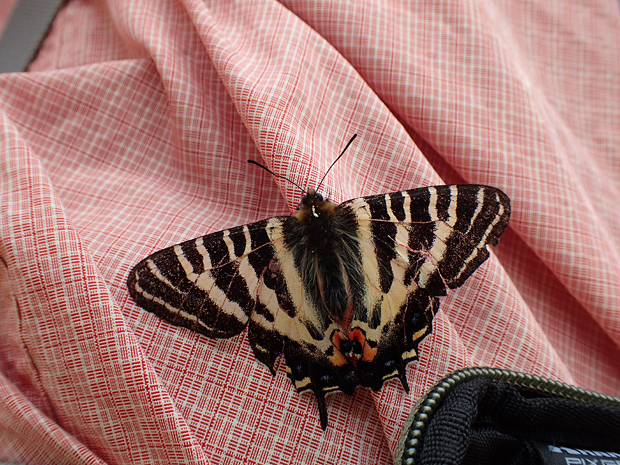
(422, 412)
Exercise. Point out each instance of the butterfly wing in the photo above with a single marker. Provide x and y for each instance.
(207, 284)
(245, 276)
(416, 244)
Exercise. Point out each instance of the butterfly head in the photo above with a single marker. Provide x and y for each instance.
(314, 207)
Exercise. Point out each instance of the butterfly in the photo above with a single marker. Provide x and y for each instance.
(345, 293)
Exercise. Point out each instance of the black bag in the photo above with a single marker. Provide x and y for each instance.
(491, 416)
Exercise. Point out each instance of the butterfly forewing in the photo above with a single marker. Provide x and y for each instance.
(207, 284)
(345, 293)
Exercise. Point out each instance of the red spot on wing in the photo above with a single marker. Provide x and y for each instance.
(337, 358)
(368, 353)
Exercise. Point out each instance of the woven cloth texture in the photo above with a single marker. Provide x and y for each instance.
(131, 130)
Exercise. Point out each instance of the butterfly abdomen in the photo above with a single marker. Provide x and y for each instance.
(324, 244)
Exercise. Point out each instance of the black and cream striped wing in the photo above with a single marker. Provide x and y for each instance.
(221, 283)
(416, 244)
(208, 284)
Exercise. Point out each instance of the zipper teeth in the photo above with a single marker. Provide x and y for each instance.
(433, 399)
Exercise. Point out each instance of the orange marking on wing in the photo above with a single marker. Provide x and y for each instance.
(369, 353)
(337, 358)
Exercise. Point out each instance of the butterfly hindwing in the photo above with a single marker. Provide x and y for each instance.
(345, 293)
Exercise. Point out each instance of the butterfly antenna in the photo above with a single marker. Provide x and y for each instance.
(254, 162)
(334, 162)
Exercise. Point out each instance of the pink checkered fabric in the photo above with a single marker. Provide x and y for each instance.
(131, 133)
